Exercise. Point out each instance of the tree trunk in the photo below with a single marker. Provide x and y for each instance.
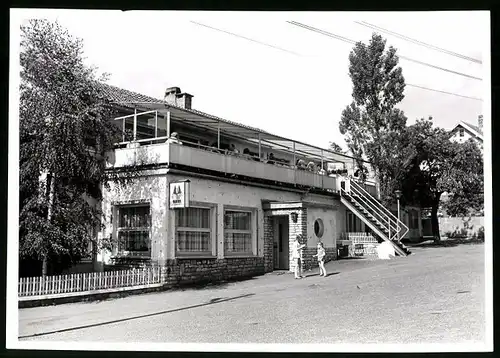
(435, 220)
(49, 219)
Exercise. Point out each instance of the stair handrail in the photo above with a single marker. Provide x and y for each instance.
(395, 243)
(377, 206)
(392, 229)
(351, 180)
(386, 219)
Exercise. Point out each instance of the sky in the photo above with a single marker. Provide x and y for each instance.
(297, 90)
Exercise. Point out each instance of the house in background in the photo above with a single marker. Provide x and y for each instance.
(464, 131)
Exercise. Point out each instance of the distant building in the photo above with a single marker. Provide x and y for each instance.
(464, 131)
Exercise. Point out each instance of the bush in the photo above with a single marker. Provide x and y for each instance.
(480, 234)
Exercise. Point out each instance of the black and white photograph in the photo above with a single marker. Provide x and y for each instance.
(249, 181)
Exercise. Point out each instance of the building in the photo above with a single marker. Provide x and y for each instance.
(215, 199)
(464, 131)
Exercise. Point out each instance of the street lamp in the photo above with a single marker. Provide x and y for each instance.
(398, 196)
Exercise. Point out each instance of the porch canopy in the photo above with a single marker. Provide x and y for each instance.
(228, 128)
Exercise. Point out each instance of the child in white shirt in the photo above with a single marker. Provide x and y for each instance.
(321, 259)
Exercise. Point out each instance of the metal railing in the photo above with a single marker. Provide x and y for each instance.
(380, 214)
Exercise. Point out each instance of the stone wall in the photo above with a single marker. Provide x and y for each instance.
(192, 271)
(268, 244)
(460, 226)
(311, 262)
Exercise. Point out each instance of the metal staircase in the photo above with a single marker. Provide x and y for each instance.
(371, 211)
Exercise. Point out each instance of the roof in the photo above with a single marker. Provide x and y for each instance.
(471, 128)
(131, 99)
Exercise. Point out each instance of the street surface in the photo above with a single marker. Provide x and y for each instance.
(433, 296)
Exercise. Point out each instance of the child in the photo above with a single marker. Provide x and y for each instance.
(296, 255)
(321, 259)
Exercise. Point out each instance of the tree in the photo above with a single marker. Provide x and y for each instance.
(443, 166)
(65, 133)
(467, 197)
(335, 147)
(371, 121)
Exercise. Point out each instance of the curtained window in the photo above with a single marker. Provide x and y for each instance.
(193, 232)
(134, 225)
(238, 233)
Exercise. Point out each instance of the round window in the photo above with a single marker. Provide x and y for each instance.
(319, 228)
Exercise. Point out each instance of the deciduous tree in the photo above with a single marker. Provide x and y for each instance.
(65, 132)
(443, 166)
(371, 121)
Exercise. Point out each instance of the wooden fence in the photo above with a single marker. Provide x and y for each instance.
(85, 282)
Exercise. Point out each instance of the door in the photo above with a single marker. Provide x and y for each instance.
(281, 244)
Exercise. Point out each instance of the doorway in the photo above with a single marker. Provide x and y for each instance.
(281, 248)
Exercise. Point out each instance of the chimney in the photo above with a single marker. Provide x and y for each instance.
(174, 96)
(480, 122)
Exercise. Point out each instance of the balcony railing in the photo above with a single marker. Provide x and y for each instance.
(216, 160)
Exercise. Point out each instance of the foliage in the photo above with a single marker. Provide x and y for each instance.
(371, 122)
(466, 198)
(64, 134)
(335, 147)
(441, 165)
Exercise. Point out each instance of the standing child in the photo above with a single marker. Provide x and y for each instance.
(296, 256)
(321, 259)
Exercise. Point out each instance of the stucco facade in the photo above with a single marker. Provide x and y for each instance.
(265, 203)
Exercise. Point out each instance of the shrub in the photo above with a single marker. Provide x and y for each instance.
(480, 233)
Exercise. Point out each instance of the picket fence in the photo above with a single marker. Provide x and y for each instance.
(359, 237)
(85, 282)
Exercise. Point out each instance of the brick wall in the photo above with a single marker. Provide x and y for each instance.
(190, 271)
(311, 262)
(268, 244)
(298, 228)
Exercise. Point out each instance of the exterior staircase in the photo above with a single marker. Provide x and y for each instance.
(371, 211)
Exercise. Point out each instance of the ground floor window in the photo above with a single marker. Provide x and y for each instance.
(133, 229)
(194, 228)
(238, 232)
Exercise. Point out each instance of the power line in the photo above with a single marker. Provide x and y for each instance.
(450, 93)
(404, 37)
(341, 38)
(246, 38)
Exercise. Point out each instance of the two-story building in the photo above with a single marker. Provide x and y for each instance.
(464, 131)
(215, 199)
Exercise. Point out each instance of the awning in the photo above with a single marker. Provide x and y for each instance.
(237, 130)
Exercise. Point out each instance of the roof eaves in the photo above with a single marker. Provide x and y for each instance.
(120, 96)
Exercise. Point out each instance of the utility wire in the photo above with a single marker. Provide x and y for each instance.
(341, 38)
(246, 38)
(404, 37)
(450, 93)
(338, 37)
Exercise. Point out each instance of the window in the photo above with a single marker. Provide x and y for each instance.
(193, 232)
(134, 225)
(461, 132)
(319, 228)
(238, 233)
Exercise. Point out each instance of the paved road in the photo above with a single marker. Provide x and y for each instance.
(434, 296)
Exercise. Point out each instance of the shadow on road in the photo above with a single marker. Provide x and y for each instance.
(327, 275)
(217, 285)
(211, 302)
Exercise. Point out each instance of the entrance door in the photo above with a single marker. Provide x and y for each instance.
(281, 245)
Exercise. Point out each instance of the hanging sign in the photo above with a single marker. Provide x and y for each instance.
(179, 194)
